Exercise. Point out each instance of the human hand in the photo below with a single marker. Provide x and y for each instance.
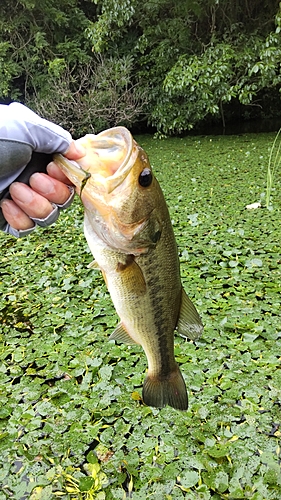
(30, 194)
(35, 201)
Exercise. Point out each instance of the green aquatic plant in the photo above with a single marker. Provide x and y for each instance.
(70, 483)
(72, 422)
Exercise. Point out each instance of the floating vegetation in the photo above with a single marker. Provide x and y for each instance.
(72, 423)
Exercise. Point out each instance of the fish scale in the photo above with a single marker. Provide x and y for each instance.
(129, 232)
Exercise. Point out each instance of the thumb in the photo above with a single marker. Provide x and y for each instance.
(75, 151)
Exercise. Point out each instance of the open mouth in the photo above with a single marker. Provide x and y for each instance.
(109, 157)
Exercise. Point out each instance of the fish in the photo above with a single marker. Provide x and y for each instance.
(129, 231)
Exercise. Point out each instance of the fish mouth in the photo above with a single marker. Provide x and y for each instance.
(109, 158)
(73, 171)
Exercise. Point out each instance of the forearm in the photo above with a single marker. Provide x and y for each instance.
(19, 123)
(21, 133)
(28, 196)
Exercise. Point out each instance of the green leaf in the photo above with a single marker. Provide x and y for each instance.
(86, 483)
(253, 263)
(67, 412)
(189, 479)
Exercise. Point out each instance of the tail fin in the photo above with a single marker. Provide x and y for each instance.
(169, 390)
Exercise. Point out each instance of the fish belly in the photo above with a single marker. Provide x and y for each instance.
(146, 293)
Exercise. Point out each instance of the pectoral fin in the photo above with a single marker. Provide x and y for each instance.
(189, 323)
(120, 334)
(132, 276)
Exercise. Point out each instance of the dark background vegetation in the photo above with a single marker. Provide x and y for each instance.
(171, 65)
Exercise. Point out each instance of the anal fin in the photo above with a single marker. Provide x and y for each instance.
(120, 334)
(93, 265)
(189, 323)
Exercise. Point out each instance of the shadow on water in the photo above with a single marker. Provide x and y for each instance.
(243, 127)
(232, 128)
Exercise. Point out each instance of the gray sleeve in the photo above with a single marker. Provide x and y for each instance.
(19, 123)
(21, 132)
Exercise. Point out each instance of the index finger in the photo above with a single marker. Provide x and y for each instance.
(54, 171)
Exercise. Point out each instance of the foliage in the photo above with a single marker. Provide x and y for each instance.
(72, 422)
(111, 23)
(36, 33)
(197, 57)
(8, 70)
(183, 62)
(44, 44)
(197, 86)
(91, 97)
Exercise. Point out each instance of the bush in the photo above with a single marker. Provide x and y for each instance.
(89, 98)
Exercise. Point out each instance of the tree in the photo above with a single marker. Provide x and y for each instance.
(37, 37)
(183, 62)
(196, 58)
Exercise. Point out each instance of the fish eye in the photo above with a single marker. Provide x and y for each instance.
(145, 177)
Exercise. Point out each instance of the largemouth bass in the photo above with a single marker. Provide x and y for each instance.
(129, 231)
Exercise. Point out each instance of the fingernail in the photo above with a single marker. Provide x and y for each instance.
(80, 149)
(10, 208)
(21, 192)
(43, 183)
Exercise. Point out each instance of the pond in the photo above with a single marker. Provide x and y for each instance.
(72, 422)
